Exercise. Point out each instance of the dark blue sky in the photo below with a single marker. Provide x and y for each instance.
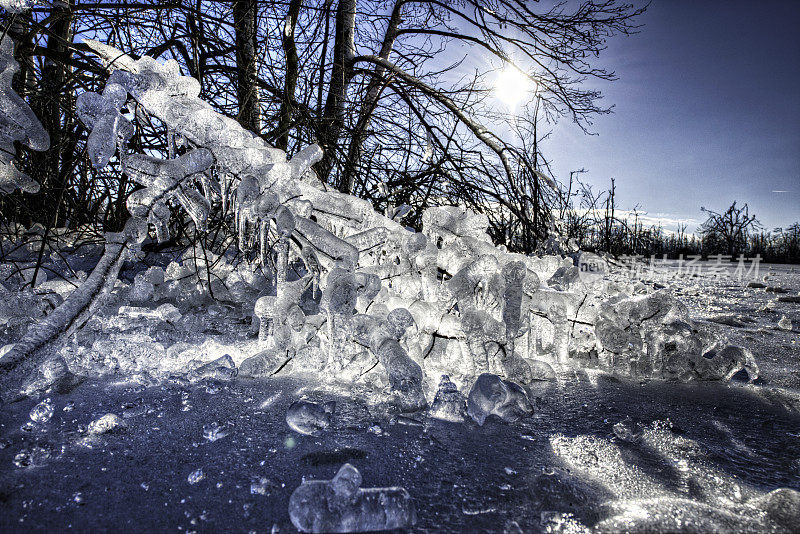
(707, 111)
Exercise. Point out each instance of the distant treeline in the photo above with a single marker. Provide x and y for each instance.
(590, 222)
(620, 239)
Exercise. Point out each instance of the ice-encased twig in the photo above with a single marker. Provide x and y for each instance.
(164, 178)
(109, 128)
(18, 123)
(76, 309)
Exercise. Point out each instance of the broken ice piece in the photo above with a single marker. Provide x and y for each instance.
(541, 370)
(42, 412)
(110, 422)
(32, 457)
(785, 323)
(165, 312)
(449, 403)
(626, 430)
(214, 430)
(490, 395)
(195, 476)
(309, 418)
(263, 364)
(261, 486)
(223, 368)
(52, 373)
(340, 505)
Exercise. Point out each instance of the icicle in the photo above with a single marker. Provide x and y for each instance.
(331, 341)
(171, 143)
(283, 264)
(223, 191)
(558, 316)
(195, 204)
(242, 229)
(206, 184)
(426, 158)
(263, 248)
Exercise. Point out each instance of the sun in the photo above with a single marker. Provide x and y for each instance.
(512, 87)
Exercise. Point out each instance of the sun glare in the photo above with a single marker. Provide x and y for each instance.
(512, 87)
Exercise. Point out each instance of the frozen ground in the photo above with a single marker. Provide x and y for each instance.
(694, 457)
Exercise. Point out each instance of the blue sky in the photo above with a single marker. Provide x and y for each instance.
(707, 111)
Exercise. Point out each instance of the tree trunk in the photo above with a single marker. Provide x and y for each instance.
(341, 74)
(244, 21)
(374, 88)
(51, 105)
(290, 81)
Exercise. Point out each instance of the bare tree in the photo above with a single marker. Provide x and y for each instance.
(731, 227)
(401, 120)
(245, 14)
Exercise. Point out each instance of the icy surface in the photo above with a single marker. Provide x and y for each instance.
(698, 453)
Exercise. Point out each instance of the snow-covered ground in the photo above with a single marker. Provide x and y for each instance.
(599, 452)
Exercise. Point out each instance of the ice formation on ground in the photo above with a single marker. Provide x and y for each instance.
(341, 505)
(346, 296)
(449, 404)
(105, 424)
(336, 287)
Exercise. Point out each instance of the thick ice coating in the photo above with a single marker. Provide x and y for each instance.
(343, 291)
(18, 123)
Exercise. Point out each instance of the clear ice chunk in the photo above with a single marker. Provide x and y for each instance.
(215, 431)
(109, 422)
(341, 505)
(223, 368)
(627, 430)
(491, 395)
(195, 476)
(42, 412)
(449, 403)
(405, 375)
(309, 418)
(263, 364)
